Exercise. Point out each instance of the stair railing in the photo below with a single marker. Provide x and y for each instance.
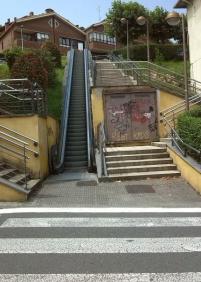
(19, 146)
(90, 145)
(102, 148)
(57, 154)
(21, 96)
(183, 147)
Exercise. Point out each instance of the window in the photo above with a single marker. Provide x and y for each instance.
(42, 36)
(65, 42)
(101, 37)
(27, 36)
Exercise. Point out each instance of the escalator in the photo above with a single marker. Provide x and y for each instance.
(75, 146)
(76, 140)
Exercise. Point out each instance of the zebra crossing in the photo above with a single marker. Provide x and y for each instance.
(100, 246)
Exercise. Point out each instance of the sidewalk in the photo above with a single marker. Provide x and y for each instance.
(165, 192)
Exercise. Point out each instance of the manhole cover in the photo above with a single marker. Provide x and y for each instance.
(139, 189)
(87, 183)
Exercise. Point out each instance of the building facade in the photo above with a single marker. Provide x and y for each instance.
(31, 31)
(194, 26)
(97, 39)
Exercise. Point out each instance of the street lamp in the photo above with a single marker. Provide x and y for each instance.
(125, 21)
(22, 39)
(142, 21)
(174, 19)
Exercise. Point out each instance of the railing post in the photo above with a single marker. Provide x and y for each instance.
(25, 166)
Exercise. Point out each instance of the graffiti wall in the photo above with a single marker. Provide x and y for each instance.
(131, 117)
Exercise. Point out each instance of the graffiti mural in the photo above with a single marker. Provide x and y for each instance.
(131, 117)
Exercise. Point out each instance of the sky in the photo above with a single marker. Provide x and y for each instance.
(81, 12)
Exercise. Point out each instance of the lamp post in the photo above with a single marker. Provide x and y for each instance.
(125, 21)
(142, 21)
(174, 19)
(22, 39)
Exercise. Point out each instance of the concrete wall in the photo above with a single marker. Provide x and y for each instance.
(194, 26)
(165, 100)
(42, 130)
(190, 173)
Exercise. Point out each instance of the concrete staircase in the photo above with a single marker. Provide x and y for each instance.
(139, 162)
(107, 74)
(14, 180)
(76, 144)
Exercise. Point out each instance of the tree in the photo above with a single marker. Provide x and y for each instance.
(160, 31)
(129, 10)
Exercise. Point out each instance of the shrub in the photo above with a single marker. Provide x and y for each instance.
(30, 66)
(11, 55)
(46, 58)
(139, 52)
(54, 51)
(189, 128)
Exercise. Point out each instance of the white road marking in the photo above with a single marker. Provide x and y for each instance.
(126, 277)
(100, 210)
(102, 222)
(100, 245)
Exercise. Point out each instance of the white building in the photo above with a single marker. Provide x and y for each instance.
(194, 29)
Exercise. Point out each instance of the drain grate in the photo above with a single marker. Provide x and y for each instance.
(86, 183)
(139, 189)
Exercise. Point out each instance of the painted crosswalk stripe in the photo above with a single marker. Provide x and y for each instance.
(127, 277)
(103, 222)
(100, 245)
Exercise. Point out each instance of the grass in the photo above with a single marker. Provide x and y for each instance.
(55, 95)
(4, 71)
(176, 66)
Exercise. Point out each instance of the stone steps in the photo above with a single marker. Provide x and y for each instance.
(138, 162)
(13, 180)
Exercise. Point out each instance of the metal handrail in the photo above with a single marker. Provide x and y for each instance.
(88, 110)
(22, 145)
(19, 134)
(65, 112)
(102, 148)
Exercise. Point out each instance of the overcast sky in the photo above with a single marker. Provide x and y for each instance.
(82, 12)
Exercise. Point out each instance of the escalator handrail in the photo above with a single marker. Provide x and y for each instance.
(65, 110)
(88, 109)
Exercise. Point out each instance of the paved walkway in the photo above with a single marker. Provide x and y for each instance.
(165, 192)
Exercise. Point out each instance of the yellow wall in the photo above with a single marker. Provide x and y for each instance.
(8, 194)
(42, 130)
(189, 173)
(165, 100)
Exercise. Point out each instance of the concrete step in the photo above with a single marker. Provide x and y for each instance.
(137, 157)
(6, 172)
(139, 162)
(31, 184)
(17, 178)
(133, 150)
(144, 168)
(141, 175)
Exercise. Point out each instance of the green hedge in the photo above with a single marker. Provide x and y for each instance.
(189, 127)
(157, 52)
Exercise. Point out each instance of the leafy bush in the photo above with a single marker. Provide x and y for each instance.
(30, 65)
(48, 64)
(11, 55)
(54, 51)
(189, 127)
(139, 52)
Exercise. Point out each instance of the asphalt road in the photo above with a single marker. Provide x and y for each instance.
(100, 247)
